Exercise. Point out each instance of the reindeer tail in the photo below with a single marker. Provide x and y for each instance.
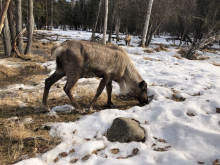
(55, 51)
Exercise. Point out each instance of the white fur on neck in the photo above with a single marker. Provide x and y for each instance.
(124, 87)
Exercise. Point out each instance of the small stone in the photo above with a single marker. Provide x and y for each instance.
(190, 114)
(167, 147)
(125, 130)
(71, 151)
(74, 160)
(135, 151)
(160, 149)
(114, 151)
(85, 157)
(153, 145)
(162, 140)
(56, 159)
(63, 154)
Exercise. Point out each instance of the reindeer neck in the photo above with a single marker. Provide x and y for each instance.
(132, 76)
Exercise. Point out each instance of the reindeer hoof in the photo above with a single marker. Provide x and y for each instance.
(44, 108)
(111, 105)
(91, 110)
(80, 111)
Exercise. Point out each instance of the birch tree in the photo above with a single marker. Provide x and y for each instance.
(6, 36)
(114, 3)
(30, 26)
(19, 26)
(11, 21)
(105, 22)
(3, 14)
(96, 20)
(147, 20)
(118, 19)
(51, 23)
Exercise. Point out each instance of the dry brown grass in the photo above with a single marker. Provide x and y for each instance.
(19, 139)
(151, 59)
(177, 56)
(45, 46)
(210, 51)
(182, 52)
(87, 97)
(194, 57)
(216, 64)
(202, 58)
(6, 71)
(16, 132)
(35, 58)
(161, 48)
(22, 70)
(148, 58)
(149, 50)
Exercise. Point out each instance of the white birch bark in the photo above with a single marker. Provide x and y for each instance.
(105, 22)
(147, 20)
(3, 14)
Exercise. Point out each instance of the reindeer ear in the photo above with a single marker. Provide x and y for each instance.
(143, 85)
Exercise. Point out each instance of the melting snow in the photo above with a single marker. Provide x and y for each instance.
(192, 138)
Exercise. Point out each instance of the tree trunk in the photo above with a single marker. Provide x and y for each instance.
(117, 27)
(51, 23)
(201, 44)
(105, 22)
(118, 19)
(153, 32)
(3, 14)
(96, 21)
(19, 26)
(87, 10)
(181, 40)
(147, 20)
(111, 22)
(149, 35)
(46, 16)
(30, 26)
(11, 21)
(6, 36)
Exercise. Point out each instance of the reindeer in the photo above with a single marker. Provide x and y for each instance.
(128, 39)
(82, 59)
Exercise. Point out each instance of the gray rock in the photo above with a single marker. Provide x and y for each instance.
(125, 130)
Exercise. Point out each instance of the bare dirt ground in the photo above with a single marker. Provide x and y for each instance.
(23, 127)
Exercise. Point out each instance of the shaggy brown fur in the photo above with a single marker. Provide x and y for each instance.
(128, 39)
(82, 59)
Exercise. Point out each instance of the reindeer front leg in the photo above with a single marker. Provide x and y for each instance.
(109, 92)
(101, 87)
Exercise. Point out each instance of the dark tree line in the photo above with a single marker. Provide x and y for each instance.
(185, 20)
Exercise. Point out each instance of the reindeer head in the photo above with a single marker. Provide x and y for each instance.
(140, 92)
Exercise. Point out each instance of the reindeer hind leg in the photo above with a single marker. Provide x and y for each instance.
(71, 81)
(57, 75)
